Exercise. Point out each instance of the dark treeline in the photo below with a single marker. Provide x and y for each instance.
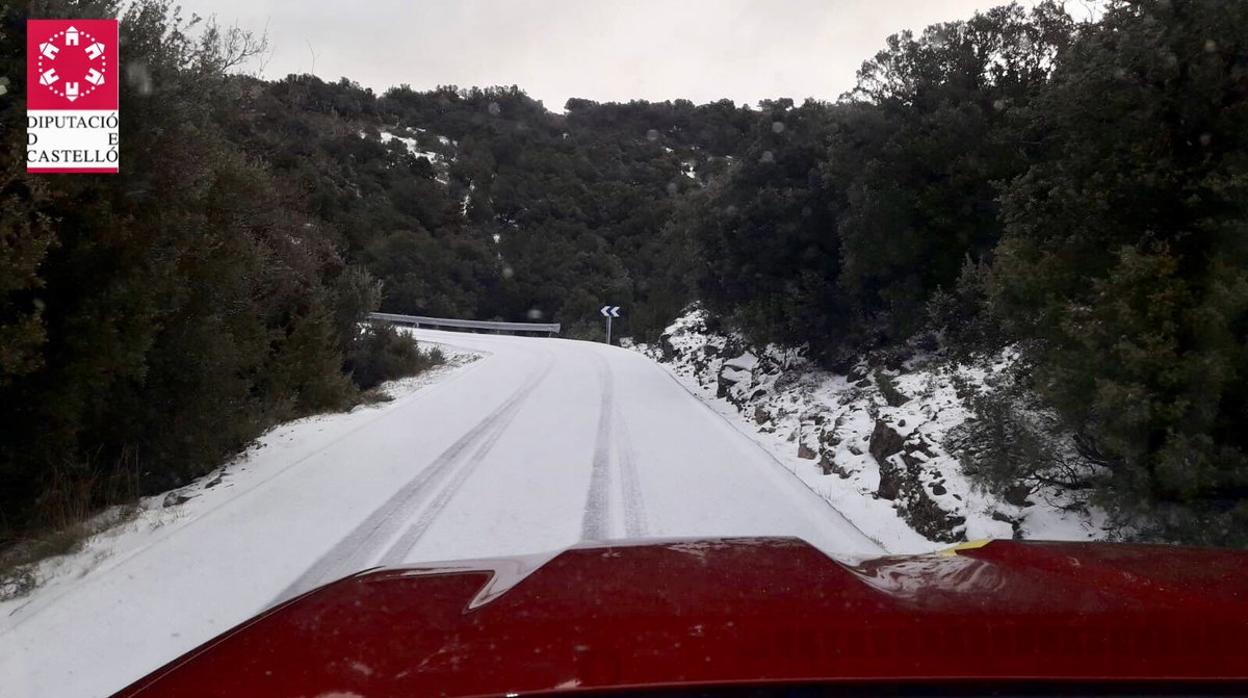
(512, 212)
(155, 321)
(1075, 190)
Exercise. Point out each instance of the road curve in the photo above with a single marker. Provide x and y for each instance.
(538, 445)
(606, 445)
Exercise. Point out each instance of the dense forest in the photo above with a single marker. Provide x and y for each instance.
(1075, 191)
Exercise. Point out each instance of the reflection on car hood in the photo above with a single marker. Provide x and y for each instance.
(683, 612)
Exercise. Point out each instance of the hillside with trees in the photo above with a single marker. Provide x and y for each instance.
(481, 203)
(1075, 191)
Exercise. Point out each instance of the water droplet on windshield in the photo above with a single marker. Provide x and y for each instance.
(138, 77)
(652, 135)
(777, 127)
(494, 109)
(767, 157)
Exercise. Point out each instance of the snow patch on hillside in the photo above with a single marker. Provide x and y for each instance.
(440, 160)
(872, 443)
(413, 147)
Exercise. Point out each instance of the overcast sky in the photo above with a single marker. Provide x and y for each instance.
(605, 50)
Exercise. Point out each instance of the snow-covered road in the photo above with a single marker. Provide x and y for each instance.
(538, 445)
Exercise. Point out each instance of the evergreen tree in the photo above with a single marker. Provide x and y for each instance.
(1126, 257)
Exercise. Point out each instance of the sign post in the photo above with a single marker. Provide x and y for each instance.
(609, 311)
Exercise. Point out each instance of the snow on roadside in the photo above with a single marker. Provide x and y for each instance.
(881, 462)
(122, 532)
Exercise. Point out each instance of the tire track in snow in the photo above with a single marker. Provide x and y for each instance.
(429, 514)
(357, 551)
(262, 486)
(596, 524)
(634, 506)
(613, 437)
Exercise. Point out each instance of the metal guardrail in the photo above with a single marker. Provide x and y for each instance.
(453, 323)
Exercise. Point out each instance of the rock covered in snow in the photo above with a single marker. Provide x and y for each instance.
(870, 441)
(885, 441)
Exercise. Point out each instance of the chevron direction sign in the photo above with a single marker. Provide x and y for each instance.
(609, 311)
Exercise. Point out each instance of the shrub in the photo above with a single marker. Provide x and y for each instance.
(356, 294)
(1012, 445)
(381, 353)
(1123, 259)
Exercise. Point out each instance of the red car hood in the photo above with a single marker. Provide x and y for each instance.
(718, 612)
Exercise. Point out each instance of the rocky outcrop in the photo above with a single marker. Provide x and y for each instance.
(906, 480)
(731, 375)
(877, 424)
(1017, 495)
(761, 415)
(736, 376)
(667, 350)
(885, 441)
(890, 480)
(829, 466)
